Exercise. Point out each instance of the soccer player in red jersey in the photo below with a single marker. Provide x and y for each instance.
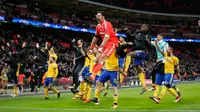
(109, 43)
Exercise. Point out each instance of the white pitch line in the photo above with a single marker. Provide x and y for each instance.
(98, 110)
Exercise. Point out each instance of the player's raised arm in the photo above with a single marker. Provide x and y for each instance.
(160, 50)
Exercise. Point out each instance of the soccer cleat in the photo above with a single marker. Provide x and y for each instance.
(96, 101)
(65, 87)
(13, 95)
(157, 100)
(46, 98)
(179, 93)
(152, 89)
(114, 106)
(105, 94)
(36, 89)
(86, 101)
(178, 98)
(143, 90)
(58, 95)
(71, 87)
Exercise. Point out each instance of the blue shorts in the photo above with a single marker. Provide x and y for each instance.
(167, 78)
(140, 56)
(108, 75)
(85, 71)
(121, 62)
(48, 81)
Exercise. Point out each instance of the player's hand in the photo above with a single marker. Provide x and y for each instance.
(125, 29)
(156, 41)
(73, 40)
(129, 43)
(54, 79)
(100, 49)
(199, 23)
(2, 47)
(91, 49)
(37, 45)
(8, 44)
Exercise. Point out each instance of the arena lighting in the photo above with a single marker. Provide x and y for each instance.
(47, 25)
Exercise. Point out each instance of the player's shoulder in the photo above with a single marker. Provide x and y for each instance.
(98, 25)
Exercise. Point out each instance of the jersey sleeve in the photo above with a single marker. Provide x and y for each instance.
(97, 31)
(176, 61)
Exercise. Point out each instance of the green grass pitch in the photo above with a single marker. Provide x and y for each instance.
(129, 101)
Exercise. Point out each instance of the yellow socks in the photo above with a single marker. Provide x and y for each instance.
(156, 91)
(89, 90)
(97, 93)
(107, 87)
(173, 92)
(121, 78)
(55, 90)
(46, 92)
(142, 80)
(162, 93)
(127, 63)
(82, 87)
(15, 90)
(115, 99)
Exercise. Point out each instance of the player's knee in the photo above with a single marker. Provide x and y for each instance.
(115, 90)
(168, 85)
(98, 82)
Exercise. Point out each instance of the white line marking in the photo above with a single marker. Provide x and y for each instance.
(98, 110)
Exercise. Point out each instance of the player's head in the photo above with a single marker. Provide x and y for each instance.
(144, 28)
(121, 39)
(159, 37)
(100, 16)
(169, 50)
(80, 42)
(52, 59)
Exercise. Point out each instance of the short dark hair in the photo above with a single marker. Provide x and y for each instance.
(102, 13)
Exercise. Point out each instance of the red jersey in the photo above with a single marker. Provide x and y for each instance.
(106, 28)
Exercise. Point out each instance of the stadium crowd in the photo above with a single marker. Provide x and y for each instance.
(64, 16)
(12, 39)
(13, 35)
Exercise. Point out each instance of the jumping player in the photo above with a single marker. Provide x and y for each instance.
(109, 43)
(141, 40)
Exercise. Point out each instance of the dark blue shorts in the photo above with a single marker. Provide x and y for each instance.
(48, 81)
(85, 71)
(167, 78)
(108, 75)
(121, 62)
(140, 56)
